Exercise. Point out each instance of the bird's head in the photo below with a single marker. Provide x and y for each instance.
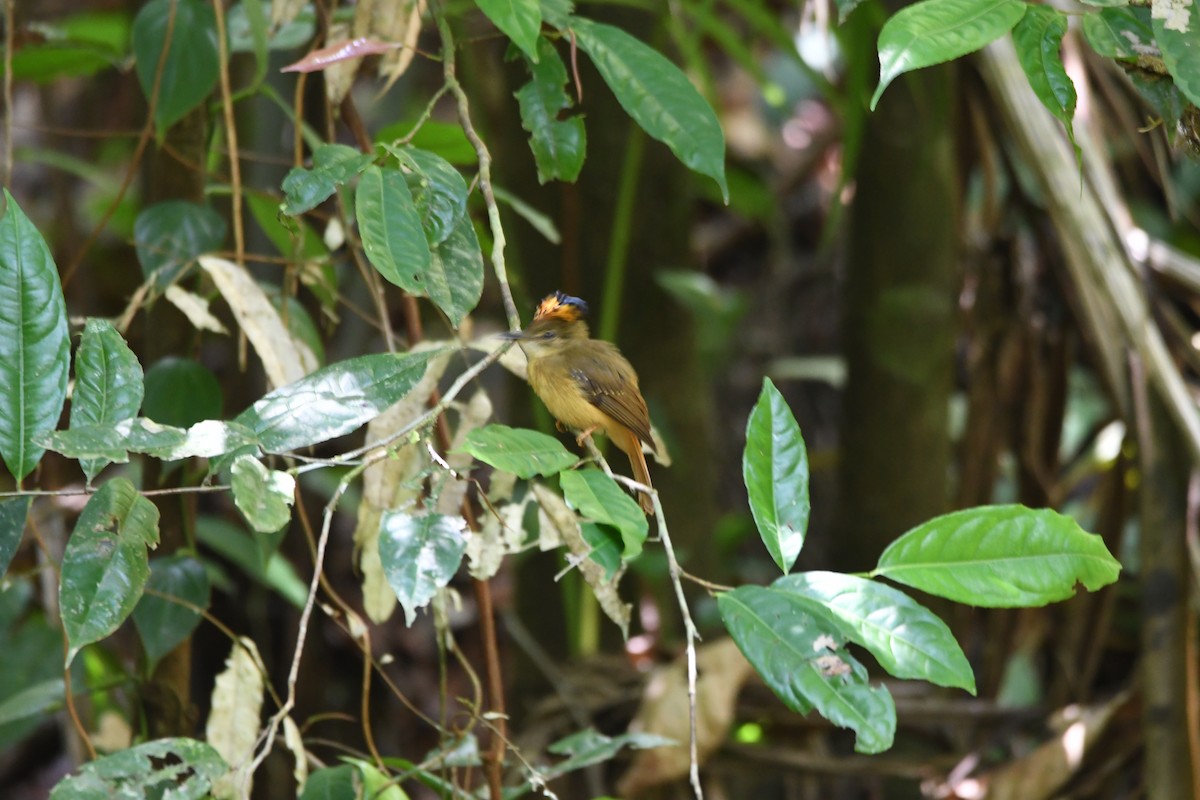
(558, 320)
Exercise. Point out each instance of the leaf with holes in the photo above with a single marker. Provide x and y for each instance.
(559, 145)
(178, 769)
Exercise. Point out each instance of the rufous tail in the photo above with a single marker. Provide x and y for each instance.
(641, 473)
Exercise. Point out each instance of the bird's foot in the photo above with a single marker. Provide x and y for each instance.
(558, 426)
(585, 435)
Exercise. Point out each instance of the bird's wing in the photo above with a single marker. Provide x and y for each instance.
(611, 386)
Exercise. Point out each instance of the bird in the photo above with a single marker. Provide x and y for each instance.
(586, 383)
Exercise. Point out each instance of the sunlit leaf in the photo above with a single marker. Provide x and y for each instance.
(420, 555)
(178, 769)
(775, 471)
(264, 496)
(518, 450)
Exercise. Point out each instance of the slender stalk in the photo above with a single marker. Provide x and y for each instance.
(622, 232)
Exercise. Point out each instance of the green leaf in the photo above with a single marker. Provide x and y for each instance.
(173, 769)
(1120, 33)
(332, 401)
(520, 20)
(105, 564)
(255, 555)
(1179, 39)
(588, 747)
(108, 383)
(999, 557)
(390, 227)
(438, 191)
(34, 346)
(245, 36)
(935, 31)
(598, 498)
(447, 139)
(420, 554)
(333, 165)
(33, 701)
(162, 623)
(1038, 40)
(454, 280)
(333, 783)
(658, 96)
(292, 237)
(264, 496)
(523, 452)
(775, 470)
(606, 544)
(783, 641)
(907, 639)
(844, 8)
(181, 392)
(113, 441)
(171, 235)
(13, 513)
(250, 16)
(192, 63)
(559, 145)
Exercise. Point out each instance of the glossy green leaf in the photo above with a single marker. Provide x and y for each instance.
(13, 513)
(1120, 33)
(658, 96)
(999, 557)
(1038, 41)
(598, 498)
(34, 346)
(454, 280)
(181, 392)
(171, 235)
(1178, 37)
(264, 496)
(420, 554)
(108, 383)
(559, 145)
(438, 191)
(606, 544)
(783, 641)
(523, 452)
(333, 165)
(934, 31)
(105, 564)
(332, 401)
(191, 66)
(390, 228)
(172, 769)
(520, 20)
(161, 622)
(907, 639)
(775, 470)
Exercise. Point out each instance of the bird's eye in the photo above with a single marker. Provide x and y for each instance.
(548, 335)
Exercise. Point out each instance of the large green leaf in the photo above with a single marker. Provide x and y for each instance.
(775, 470)
(332, 401)
(934, 31)
(34, 346)
(256, 555)
(390, 228)
(598, 498)
(333, 783)
(523, 452)
(115, 440)
(1038, 41)
(105, 564)
(333, 165)
(192, 63)
(789, 648)
(172, 234)
(907, 639)
(658, 96)
(172, 769)
(108, 383)
(264, 496)
(161, 622)
(521, 21)
(13, 513)
(1179, 39)
(454, 280)
(559, 145)
(420, 554)
(1000, 557)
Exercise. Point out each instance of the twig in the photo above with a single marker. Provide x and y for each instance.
(235, 167)
(10, 19)
(485, 169)
(94, 489)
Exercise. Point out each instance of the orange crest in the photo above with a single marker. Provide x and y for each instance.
(560, 306)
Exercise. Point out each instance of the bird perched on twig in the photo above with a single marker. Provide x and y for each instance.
(586, 383)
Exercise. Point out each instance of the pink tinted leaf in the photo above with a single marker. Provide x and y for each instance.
(341, 51)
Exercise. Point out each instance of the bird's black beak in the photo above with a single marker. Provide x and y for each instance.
(514, 336)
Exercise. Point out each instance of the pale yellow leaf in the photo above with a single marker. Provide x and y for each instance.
(195, 308)
(233, 722)
(295, 744)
